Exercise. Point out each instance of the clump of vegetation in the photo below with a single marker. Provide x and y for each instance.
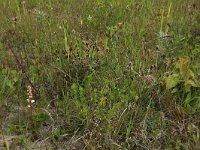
(99, 74)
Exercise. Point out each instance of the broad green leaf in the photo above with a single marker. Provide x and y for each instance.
(192, 83)
(192, 74)
(188, 98)
(172, 81)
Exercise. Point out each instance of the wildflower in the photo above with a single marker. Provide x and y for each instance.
(33, 101)
(89, 18)
(30, 99)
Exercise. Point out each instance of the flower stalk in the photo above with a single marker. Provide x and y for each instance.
(30, 101)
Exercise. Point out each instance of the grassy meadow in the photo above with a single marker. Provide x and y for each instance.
(100, 74)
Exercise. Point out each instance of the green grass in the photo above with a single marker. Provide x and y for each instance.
(116, 74)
